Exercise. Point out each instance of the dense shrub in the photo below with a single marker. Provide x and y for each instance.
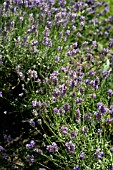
(56, 85)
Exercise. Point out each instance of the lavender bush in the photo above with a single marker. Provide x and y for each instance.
(56, 89)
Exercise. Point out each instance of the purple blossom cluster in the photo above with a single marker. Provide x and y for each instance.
(70, 147)
(30, 158)
(99, 154)
(77, 168)
(52, 148)
(64, 129)
(31, 145)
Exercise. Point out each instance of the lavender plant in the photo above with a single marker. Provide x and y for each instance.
(56, 89)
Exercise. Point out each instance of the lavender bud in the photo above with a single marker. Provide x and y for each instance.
(34, 103)
(76, 168)
(1, 94)
(110, 92)
(55, 110)
(64, 130)
(32, 123)
(82, 155)
(111, 150)
(73, 134)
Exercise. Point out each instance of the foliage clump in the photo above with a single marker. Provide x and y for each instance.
(56, 90)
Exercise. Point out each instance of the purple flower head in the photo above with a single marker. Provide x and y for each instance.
(99, 104)
(32, 143)
(85, 130)
(12, 23)
(73, 134)
(29, 31)
(91, 1)
(56, 93)
(20, 74)
(32, 74)
(39, 104)
(111, 167)
(73, 15)
(94, 43)
(64, 129)
(97, 81)
(81, 90)
(86, 81)
(63, 89)
(28, 146)
(105, 73)
(110, 19)
(76, 168)
(111, 150)
(82, 18)
(55, 80)
(87, 116)
(73, 83)
(49, 24)
(70, 147)
(106, 9)
(82, 23)
(54, 99)
(82, 155)
(30, 158)
(109, 120)
(111, 107)
(61, 3)
(105, 51)
(93, 96)
(63, 69)
(75, 45)
(34, 103)
(110, 92)
(34, 43)
(0, 93)
(78, 116)
(100, 131)
(79, 100)
(102, 109)
(92, 83)
(99, 154)
(33, 27)
(32, 123)
(74, 94)
(62, 111)
(67, 107)
(0, 56)
(85, 43)
(74, 28)
(36, 150)
(59, 48)
(69, 53)
(67, 32)
(1, 149)
(91, 73)
(55, 110)
(98, 116)
(78, 112)
(57, 58)
(21, 18)
(111, 42)
(52, 148)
